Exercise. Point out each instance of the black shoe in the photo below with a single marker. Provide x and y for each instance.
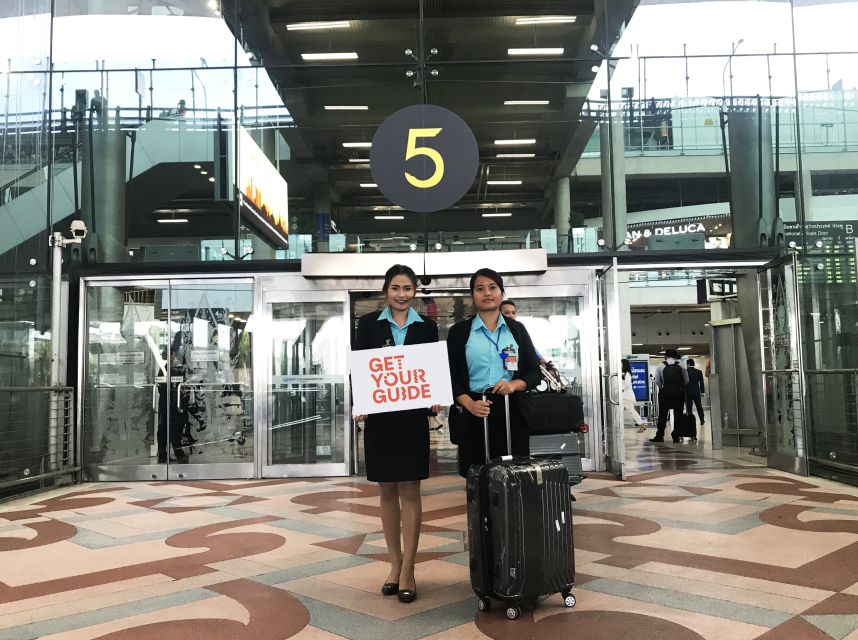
(656, 439)
(702, 422)
(675, 439)
(389, 589)
(181, 457)
(407, 595)
(162, 458)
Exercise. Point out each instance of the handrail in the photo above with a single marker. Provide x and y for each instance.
(830, 371)
(38, 168)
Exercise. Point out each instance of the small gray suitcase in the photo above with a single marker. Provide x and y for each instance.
(564, 446)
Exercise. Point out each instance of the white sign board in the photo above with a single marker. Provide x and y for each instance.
(396, 378)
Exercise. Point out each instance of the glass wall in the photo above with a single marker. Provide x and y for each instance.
(189, 130)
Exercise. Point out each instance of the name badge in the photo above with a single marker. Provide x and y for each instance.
(510, 359)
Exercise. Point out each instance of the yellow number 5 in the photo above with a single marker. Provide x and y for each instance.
(413, 150)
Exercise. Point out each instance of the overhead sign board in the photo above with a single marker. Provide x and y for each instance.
(424, 158)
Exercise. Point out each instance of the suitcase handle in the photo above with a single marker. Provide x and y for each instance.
(508, 429)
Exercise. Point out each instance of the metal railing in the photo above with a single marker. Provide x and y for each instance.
(36, 434)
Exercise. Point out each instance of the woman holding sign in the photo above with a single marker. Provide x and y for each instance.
(396, 444)
(489, 351)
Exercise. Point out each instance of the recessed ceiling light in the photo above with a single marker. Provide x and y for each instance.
(637, 344)
(172, 220)
(504, 182)
(389, 217)
(523, 103)
(343, 55)
(493, 238)
(536, 51)
(545, 19)
(196, 166)
(310, 26)
(497, 215)
(514, 142)
(211, 179)
(684, 349)
(357, 145)
(204, 173)
(359, 160)
(516, 155)
(346, 107)
(368, 185)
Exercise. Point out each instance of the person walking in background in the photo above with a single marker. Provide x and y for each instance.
(694, 389)
(396, 444)
(629, 399)
(671, 378)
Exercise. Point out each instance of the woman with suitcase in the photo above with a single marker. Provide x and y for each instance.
(490, 351)
(396, 444)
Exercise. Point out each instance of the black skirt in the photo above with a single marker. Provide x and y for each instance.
(396, 446)
(472, 450)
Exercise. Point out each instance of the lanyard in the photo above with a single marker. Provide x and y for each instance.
(495, 343)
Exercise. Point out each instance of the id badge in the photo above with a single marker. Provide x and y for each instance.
(510, 362)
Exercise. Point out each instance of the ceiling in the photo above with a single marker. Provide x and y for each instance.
(475, 75)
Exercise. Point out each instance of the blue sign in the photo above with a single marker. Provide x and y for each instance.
(640, 379)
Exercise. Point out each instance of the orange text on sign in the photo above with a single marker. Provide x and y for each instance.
(394, 383)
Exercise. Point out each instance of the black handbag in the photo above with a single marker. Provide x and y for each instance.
(459, 420)
(547, 413)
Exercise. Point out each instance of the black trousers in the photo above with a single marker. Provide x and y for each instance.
(669, 399)
(696, 401)
(472, 450)
(177, 422)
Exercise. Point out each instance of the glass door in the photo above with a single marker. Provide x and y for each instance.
(609, 339)
(306, 408)
(561, 321)
(782, 367)
(124, 429)
(166, 391)
(210, 347)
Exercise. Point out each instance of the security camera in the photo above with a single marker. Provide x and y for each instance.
(425, 281)
(78, 229)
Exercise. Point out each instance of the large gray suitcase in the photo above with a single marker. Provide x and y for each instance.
(519, 530)
(562, 446)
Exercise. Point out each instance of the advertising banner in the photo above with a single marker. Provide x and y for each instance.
(264, 192)
(639, 365)
(397, 378)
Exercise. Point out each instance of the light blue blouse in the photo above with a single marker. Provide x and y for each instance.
(400, 332)
(482, 351)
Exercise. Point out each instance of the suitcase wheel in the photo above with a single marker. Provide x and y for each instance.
(569, 600)
(484, 604)
(513, 612)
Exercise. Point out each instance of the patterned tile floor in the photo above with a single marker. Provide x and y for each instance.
(716, 553)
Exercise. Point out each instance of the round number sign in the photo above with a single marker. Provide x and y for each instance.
(424, 158)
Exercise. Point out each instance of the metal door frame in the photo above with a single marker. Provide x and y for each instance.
(157, 471)
(613, 429)
(286, 288)
(798, 463)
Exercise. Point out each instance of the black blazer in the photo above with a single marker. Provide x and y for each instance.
(373, 333)
(457, 340)
(695, 382)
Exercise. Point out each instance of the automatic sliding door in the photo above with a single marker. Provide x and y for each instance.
(167, 381)
(561, 322)
(211, 424)
(307, 402)
(124, 430)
